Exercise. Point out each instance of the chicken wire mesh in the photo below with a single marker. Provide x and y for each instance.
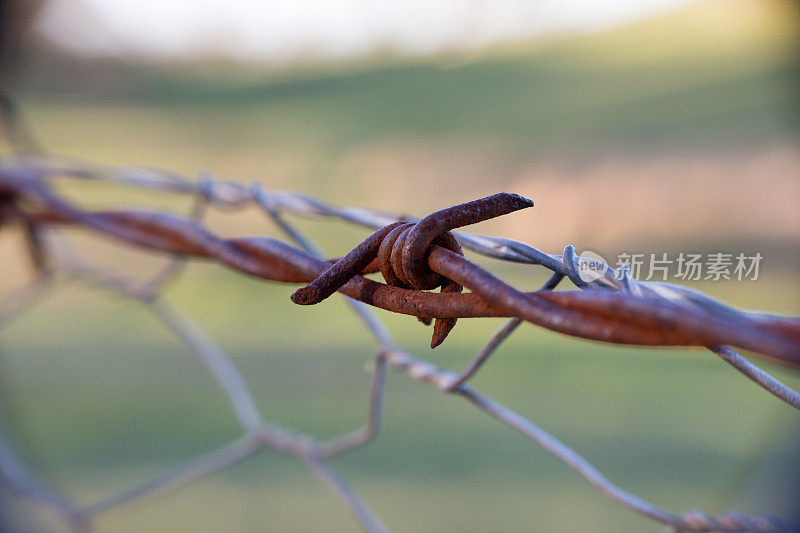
(613, 307)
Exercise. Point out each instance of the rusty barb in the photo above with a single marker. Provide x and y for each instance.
(417, 257)
(425, 255)
(402, 251)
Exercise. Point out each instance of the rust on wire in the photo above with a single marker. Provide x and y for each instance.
(402, 252)
(413, 257)
(607, 316)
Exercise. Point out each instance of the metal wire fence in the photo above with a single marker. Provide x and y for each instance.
(414, 256)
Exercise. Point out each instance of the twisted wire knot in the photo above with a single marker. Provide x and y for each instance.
(406, 266)
(402, 248)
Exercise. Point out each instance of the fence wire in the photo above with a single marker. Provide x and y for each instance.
(414, 255)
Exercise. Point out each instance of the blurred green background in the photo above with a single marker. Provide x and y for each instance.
(677, 133)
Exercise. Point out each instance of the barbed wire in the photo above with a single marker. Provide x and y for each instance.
(414, 256)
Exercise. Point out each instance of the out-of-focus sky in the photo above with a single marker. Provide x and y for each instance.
(278, 30)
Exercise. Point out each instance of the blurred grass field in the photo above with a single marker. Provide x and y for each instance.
(100, 396)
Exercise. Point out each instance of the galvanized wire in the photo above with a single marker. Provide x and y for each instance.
(22, 174)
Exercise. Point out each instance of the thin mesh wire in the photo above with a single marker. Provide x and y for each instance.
(257, 433)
